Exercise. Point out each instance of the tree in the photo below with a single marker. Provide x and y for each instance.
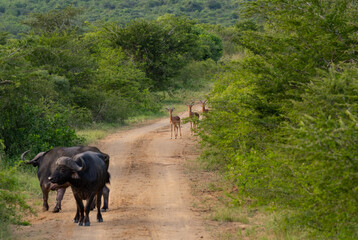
(63, 20)
(3, 37)
(162, 47)
(210, 45)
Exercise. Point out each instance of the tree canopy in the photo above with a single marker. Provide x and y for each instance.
(163, 46)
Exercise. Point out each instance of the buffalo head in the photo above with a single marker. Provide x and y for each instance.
(66, 170)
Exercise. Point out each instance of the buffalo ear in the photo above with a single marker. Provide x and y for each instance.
(75, 175)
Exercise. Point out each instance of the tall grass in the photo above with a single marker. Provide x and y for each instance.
(16, 188)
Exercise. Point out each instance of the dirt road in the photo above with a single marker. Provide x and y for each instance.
(150, 193)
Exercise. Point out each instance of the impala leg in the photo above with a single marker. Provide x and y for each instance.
(175, 128)
(180, 129)
(171, 131)
(191, 127)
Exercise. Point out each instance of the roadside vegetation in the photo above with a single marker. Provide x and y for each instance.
(283, 120)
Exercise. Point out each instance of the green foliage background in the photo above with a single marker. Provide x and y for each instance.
(60, 76)
(283, 125)
(12, 12)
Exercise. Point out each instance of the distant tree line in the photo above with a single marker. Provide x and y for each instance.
(12, 12)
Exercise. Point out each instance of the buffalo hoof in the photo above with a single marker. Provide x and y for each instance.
(44, 208)
(75, 220)
(56, 210)
(103, 209)
(87, 224)
(99, 220)
(80, 224)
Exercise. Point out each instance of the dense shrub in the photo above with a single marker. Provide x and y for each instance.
(30, 127)
(321, 150)
(12, 201)
(283, 124)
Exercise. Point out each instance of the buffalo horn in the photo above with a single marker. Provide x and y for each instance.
(23, 155)
(35, 159)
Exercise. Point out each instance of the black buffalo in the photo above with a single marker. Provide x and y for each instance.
(87, 174)
(46, 163)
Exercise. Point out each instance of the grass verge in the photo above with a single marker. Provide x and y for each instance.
(228, 221)
(18, 187)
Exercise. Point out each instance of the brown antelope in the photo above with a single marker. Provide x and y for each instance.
(192, 115)
(203, 109)
(174, 123)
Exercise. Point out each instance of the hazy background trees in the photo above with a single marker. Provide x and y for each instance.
(12, 12)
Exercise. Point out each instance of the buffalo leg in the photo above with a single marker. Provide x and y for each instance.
(60, 194)
(80, 210)
(99, 215)
(77, 216)
(105, 198)
(45, 192)
(93, 205)
(88, 209)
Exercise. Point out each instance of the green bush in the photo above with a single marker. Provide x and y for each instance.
(79, 117)
(196, 75)
(283, 124)
(321, 150)
(31, 127)
(12, 201)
